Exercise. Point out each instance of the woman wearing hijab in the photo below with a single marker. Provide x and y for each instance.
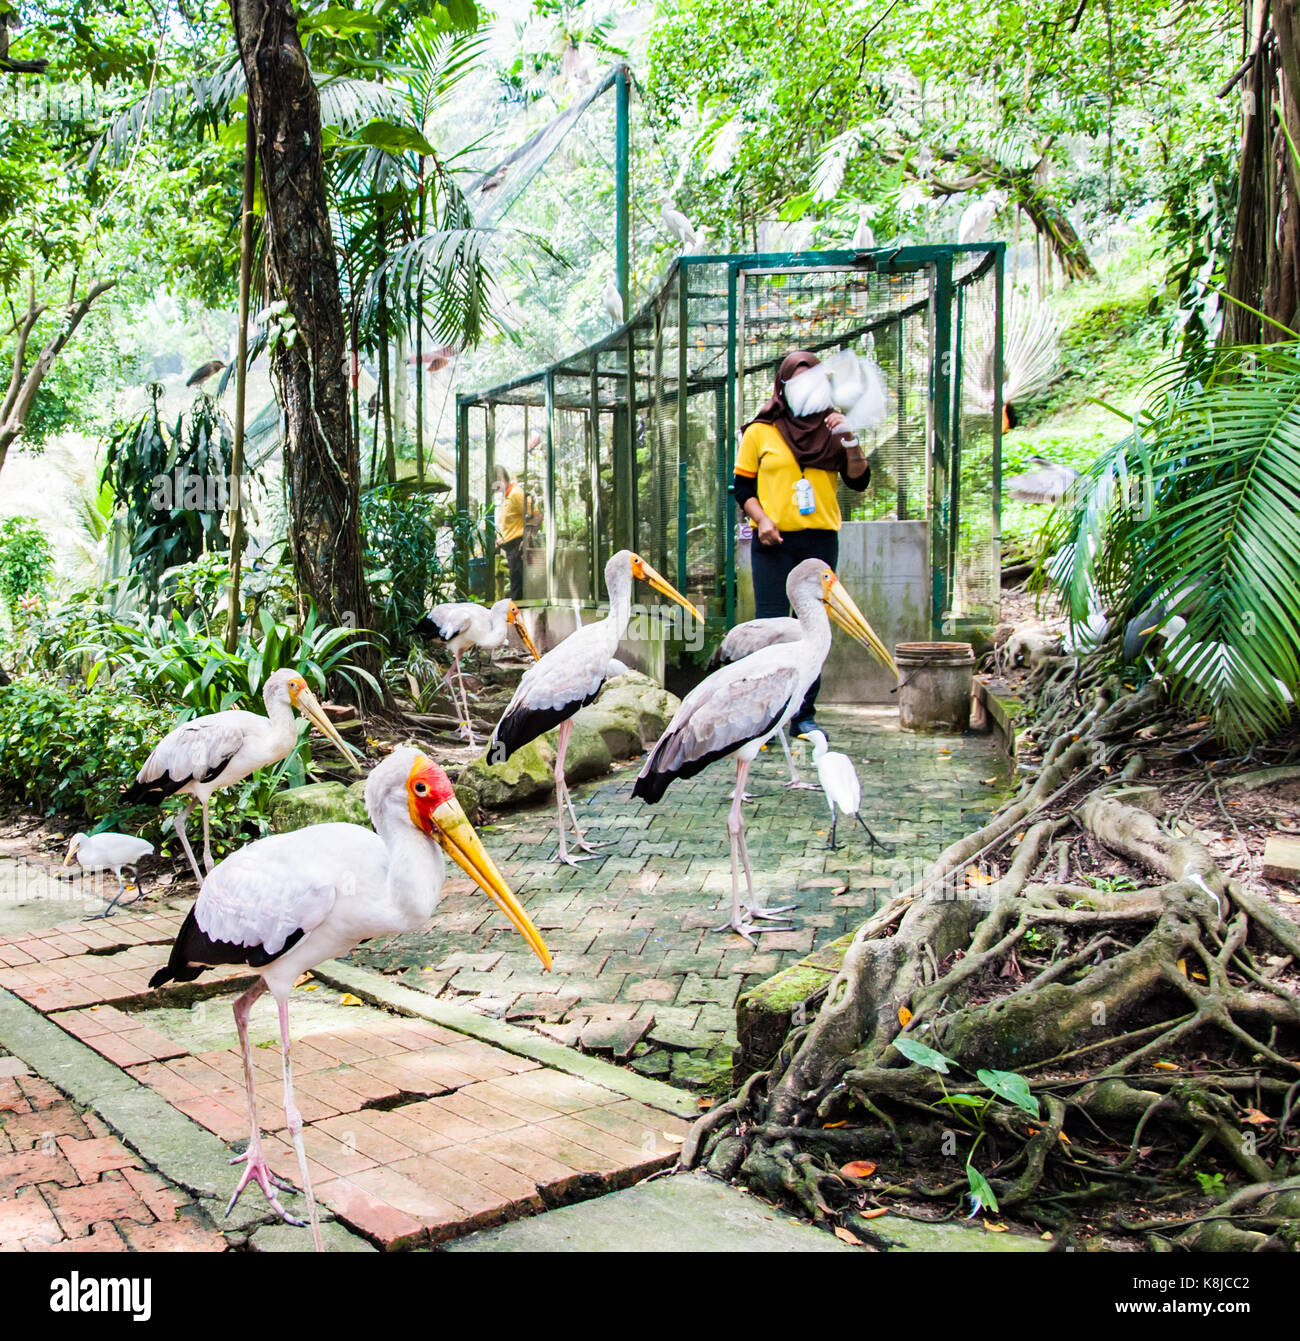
(785, 484)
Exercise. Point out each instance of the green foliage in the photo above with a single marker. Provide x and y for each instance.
(404, 570)
(175, 661)
(26, 563)
(1196, 507)
(173, 481)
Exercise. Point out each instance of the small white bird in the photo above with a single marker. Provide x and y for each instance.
(978, 215)
(839, 780)
(205, 754)
(857, 389)
(284, 904)
(697, 249)
(614, 299)
(110, 852)
(465, 624)
(678, 224)
(864, 237)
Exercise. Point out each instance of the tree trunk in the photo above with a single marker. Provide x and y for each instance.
(1264, 267)
(320, 455)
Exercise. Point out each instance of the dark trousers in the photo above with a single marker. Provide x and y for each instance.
(514, 552)
(772, 565)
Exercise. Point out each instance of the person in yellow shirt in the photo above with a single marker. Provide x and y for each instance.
(517, 518)
(785, 484)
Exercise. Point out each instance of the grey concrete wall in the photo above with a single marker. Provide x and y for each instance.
(885, 566)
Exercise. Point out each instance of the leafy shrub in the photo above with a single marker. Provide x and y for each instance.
(176, 660)
(26, 562)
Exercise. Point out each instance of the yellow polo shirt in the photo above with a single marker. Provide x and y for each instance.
(512, 513)
(766, 456)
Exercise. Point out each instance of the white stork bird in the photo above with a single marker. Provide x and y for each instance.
(205, 754)
(678, 224)
(978, 215)
(735, 710)
(839, 780)
(614, 299)
(286, 903)
(110, 852)
(570, 676)
(864, 237)
(752, 636)
(465, 624)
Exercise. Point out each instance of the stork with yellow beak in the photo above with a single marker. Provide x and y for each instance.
(738, 708)
(286, 903)
(205, 754)
(465, 624)
(570, 676)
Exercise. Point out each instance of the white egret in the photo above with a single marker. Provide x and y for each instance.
(839, 780)
(114, 852)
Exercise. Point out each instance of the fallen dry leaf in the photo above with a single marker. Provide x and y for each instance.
(974, 876)
(847, 1236)
(830, 1126)
(706, 1102)
(874, 1212)
(1163, 1066)
(1256, 1118)
(302, 978)
(1182, 967)
(671, 1138)
(347, 999)
(1289, 898)
(858, 1168)
(994, 1229)
(904, 1016)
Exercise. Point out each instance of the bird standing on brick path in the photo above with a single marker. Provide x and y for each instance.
(205, 754)
(839, 780)
(284, 904)
(110, 852)
(736, 709)
(465, 624)
(570, 676)
(750, 637)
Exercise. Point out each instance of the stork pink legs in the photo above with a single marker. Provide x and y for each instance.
(740, 854)
(563, 800)
(256, 1168)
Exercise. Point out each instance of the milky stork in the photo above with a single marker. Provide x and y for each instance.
(465, 624)
(570, 676)
(284, 904)
(735, 711)
(752, 636)
(205, 754)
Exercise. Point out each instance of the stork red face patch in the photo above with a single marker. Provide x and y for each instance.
(428, 786)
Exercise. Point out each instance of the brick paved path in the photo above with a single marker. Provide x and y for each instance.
(639, 972)
(67, 1185)
(414, 1133)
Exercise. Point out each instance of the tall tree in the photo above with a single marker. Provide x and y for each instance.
(320, 455)
(1264, 271)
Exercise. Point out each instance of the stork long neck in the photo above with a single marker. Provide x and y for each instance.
(810, 610)
(279, 712)
(620, 608)
(416, 870)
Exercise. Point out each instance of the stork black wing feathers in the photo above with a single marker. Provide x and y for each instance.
(521, 725)
(654, 782)
(159, 789)
(194, 950)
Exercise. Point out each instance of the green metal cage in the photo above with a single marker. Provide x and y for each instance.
(639, 431)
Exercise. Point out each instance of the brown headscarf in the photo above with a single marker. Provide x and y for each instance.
(808, 438)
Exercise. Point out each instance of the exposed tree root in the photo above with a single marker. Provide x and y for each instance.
(1153, 1020)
